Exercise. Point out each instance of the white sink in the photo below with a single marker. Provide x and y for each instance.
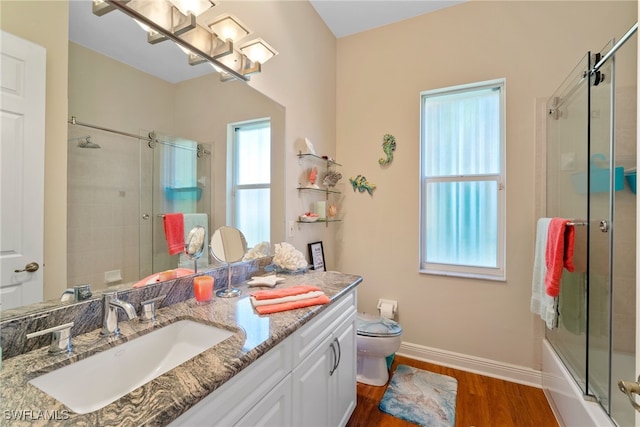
(94, 382)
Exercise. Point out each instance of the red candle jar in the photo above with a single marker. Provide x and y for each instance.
(203, 288)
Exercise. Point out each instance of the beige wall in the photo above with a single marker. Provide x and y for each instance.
(381, 73)
(47, 23)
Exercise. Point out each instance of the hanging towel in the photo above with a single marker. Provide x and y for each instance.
(308, 302)
(580, 249)
(284, 292)
(174, 232)
(559, 254)
(572, 303)
(541, 303)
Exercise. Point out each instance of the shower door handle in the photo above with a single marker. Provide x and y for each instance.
(630, 388)
(604, 225)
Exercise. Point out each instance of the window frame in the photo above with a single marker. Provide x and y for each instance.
(233, 167)
(497, 273)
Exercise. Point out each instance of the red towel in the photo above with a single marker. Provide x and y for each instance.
(174, 232)
(284, 292)
(284, 306)
(559, 254)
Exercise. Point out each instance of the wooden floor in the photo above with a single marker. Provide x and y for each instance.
(481, 402)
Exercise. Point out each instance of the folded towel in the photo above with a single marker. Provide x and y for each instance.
(154, 278)
(174, 232)
(308, 295)
(284, 292)
(275, 308)
(541, 303)
(559, 254)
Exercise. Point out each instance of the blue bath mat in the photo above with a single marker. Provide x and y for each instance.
(424, 398)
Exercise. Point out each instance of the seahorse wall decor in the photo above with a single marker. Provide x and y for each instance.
(361, 184)
(388, 146)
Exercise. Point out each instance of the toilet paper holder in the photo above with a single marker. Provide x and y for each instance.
(384, 305)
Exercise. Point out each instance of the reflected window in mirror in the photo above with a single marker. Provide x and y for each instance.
(251, 181)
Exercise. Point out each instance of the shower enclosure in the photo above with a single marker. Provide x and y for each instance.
(118, 189)
(591, 164)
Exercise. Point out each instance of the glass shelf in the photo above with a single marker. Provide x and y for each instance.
(318, 158)
(320, 221)
(319, 190)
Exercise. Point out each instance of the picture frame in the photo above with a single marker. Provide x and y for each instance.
(316, 256)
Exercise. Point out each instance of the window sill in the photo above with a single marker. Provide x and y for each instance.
(493, 278)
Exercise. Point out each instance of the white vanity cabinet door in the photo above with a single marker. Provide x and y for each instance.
(273, 410)
(344, 390)
(227, 405)
(324, 383)
(311, 387)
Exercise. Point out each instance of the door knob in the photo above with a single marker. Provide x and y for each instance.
(31, 267)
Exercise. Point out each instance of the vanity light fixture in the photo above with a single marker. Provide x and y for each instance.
(228, 27)
(176, 20)
(195, 7)
(258, 51)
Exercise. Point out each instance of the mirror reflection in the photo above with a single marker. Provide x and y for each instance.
(194, 245)
(119, 187)
(228, 245)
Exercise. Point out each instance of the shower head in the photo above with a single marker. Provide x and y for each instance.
(87, 143)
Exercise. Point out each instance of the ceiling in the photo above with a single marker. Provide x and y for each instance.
(166, 61)
(347, 17)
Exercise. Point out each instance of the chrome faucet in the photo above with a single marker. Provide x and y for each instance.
(110, 305)
(60, 338)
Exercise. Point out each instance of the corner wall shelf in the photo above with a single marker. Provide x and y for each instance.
(329, 161)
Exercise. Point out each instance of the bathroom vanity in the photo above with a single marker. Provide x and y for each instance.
(296, 367)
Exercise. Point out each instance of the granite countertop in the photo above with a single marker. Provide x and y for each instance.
(164, 399)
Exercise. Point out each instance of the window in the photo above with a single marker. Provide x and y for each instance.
(251, 180)
(462, 217)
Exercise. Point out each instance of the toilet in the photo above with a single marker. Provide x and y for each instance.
(377, 338)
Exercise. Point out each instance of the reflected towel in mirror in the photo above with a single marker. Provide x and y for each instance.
(174, 232)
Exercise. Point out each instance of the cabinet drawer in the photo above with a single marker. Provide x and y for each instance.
(310, 335)
(230, 402)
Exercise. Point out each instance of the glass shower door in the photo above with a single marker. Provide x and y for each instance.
(567, 197)
(601, 182)
(180, 182)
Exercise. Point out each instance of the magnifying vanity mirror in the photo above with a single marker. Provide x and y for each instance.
(194, 245)
(228, 245)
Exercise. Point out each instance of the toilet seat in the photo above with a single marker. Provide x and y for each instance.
(375, 326)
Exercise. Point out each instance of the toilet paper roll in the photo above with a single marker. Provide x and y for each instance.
(386, 310)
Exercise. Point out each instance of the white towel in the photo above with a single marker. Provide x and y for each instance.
(190, 221)
(271, 301)
(541, 303)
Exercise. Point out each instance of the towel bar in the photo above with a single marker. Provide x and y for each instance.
(577, 223)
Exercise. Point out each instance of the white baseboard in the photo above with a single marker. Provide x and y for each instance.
(477, 365)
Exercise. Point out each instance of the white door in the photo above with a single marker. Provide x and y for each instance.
(22, 115)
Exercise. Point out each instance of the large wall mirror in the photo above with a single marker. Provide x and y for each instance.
(120, 82)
